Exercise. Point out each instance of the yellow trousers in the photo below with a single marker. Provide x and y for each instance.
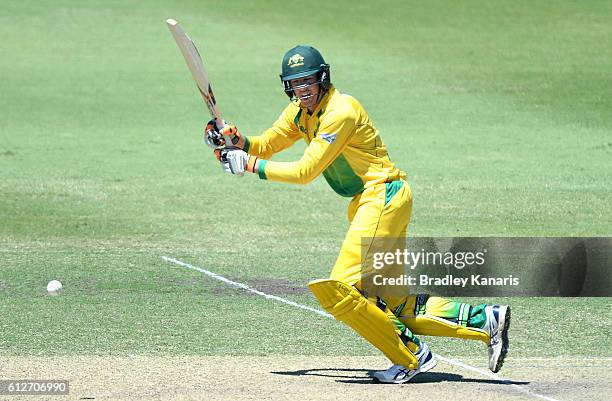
(383, 211)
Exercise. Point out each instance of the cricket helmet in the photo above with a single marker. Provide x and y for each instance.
(303, 61)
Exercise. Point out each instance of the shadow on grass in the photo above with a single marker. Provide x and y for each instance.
(361, 376)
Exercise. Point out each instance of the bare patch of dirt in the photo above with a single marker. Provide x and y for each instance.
(276, 286)
(279, 286)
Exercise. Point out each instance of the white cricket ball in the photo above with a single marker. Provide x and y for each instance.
(54, 287)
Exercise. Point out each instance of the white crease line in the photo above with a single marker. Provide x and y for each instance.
(320, 312)
(245, 287)
(494, 376)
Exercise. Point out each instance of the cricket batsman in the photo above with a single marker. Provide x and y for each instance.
(345, 146)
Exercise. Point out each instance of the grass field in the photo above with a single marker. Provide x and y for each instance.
(501, 114)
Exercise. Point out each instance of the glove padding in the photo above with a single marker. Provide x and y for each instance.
(215, 138)
(235, 161)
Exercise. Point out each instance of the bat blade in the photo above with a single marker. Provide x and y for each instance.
(196, 66)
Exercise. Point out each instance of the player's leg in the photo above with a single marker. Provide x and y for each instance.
(371, 320)
(435, 316)
(380, 211)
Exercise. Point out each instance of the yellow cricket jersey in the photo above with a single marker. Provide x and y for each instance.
(342, 144)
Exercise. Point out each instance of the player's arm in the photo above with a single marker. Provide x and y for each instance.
(280, 136)
(334, 134)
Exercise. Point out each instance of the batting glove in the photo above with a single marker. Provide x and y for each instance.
(236, 161)
(215, 138)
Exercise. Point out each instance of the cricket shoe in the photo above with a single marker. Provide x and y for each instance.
(399, 374)
(498, 322)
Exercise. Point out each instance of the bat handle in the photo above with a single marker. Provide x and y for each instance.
(220, 122)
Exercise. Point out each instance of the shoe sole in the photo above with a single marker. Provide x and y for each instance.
(424, 368)
(505, 342)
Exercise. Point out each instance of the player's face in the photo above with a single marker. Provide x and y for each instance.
(307, 90)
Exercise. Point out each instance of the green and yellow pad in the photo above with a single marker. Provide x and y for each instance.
(347, 304)
(435, 316)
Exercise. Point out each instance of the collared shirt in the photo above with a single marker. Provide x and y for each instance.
(343, 145)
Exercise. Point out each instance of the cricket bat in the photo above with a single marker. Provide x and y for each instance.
(196, 66)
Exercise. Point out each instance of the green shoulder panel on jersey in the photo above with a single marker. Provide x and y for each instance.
(341, 177)
(296, 120)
